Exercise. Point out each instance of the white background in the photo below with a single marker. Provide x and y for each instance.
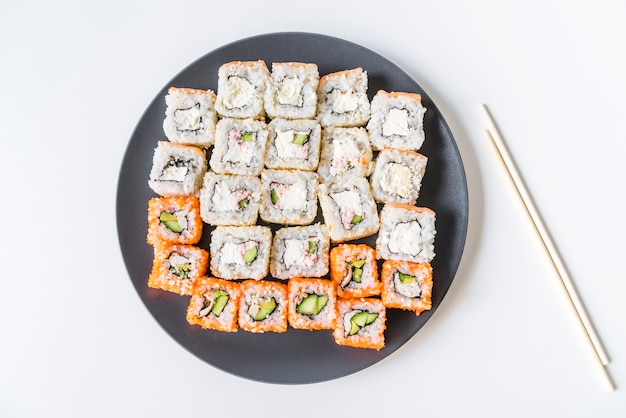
(76, 76)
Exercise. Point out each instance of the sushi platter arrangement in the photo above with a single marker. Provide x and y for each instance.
(282, 144)
(292, 182)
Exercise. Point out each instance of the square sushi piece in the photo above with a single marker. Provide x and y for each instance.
(227, 199)
(174, 220)
(176, 267)
(361, 322)
(354, 270)
(349, 209)
(240, 146)
(342, 98)
(177, 169)
(312, 303)
(407, 285)
(407, 233)
(241, 86)
(263, 306)
(397, 176)
(300, 251)
(240, 252)
(292, 90)
(397, 121)
(214, 304)
(288, 197)
(190, 116)
(294, 144)
(345, 152)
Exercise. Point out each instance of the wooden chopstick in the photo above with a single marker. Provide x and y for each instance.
(568, 285)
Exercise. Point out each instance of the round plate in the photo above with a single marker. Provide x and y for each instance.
(296, 356)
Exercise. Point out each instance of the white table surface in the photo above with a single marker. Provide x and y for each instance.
(77, 340)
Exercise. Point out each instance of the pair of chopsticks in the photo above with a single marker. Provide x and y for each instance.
(600, 355)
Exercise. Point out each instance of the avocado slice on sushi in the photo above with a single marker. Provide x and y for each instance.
(312, 304)
(406, 278)
(221, 299)
(251, 255)
(243, 203)
(247, 137)
(170, 221)
(312, 247)
(274, 196)
(181, 271)
(356, 219)
(300, 139)
(360, 320)
(308, 305)
(265, 309)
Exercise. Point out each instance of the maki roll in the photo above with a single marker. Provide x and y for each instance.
(300, 251)
(264, 306)
(311, 303)
(214, 304)
(176, 267)
(190, 116)
(346, 152)
(353, 269)
(293, 144)
(397, 121)
(241, 86)
(407, 233)
(342, 98)
(177, 169)
(288, 197)
(240, 252)
(240, 146)
(407, 285)
(174, 220)
(230, 200)
(360, 323)
(397, 176)
(349, 209)
(292, 90)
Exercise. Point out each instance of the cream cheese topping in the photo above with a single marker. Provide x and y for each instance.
(294, 255)
(222, 199)
(345, 154)
(174, 173)
(239, 152)
(406, 238)
(344, 102)
(240, 92)
(290, 91)
(295, 197)
(397, 179)
(231, 254)
(187, 119)
(396, 123)
(176, 260)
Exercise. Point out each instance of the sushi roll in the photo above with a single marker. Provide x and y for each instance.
(292, 90)
(214, 304)
(240, 146)
(407, 233)
(397, 176)
(293, 144)
(349, 209)
(264, 306)
(174, 220)
(342, 98)
(288, 197)
(190, 116)
(312, 303)
(397, 121)
(240, 252)
(361, 322)
(345, 152)
(230, 200)
(407, 285)
(300, 251)
(177, 169)
(241, 86)
(353, 269)
(176, 267)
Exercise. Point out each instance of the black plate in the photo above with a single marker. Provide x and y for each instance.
(296, 356)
